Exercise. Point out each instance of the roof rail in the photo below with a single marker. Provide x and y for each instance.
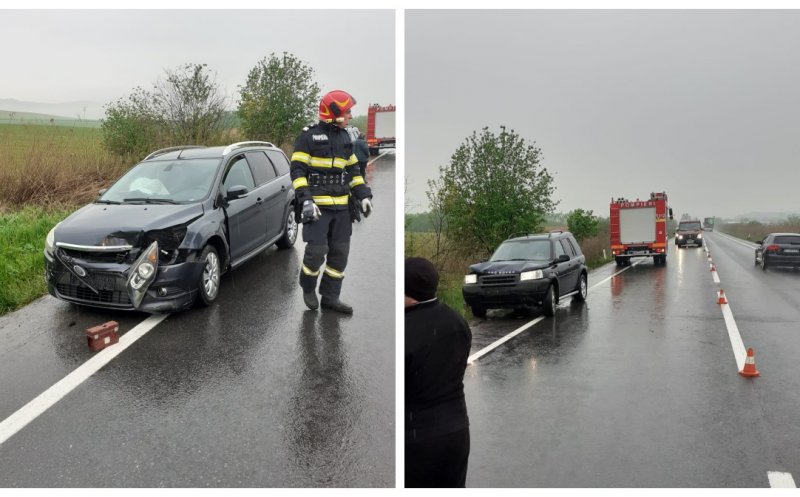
(230, 148)
(171, 149)
(554, 232)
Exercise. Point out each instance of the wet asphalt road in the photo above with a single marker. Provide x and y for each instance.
(639, 386)
(254, 391)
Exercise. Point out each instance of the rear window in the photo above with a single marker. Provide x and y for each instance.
(788, 239)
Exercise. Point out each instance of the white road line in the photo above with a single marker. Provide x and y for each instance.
(737, 344)
(749, 245)
(31, 410)
(503, 340)
(524, 327)
(780, 480)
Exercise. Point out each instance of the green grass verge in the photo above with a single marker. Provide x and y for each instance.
(22, 236)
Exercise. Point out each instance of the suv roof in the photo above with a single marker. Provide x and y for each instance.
(552, 234)
(202, 152)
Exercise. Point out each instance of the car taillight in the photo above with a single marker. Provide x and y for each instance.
(772, 248)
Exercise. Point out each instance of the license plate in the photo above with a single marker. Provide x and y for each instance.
(791, 251)
(104, 282)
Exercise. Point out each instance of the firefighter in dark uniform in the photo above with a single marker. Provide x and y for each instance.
(329, 191)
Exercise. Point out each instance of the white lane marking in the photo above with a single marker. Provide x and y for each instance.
(31, 410)
(387, 152)
(737, 344)
(780, 480)
(739, 352)
(715, 275)
(503, 340)
(524, 327)
(749, 245)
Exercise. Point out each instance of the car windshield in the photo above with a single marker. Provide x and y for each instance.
(788, 239)
(175, 181)
(522, 250)
(689, 226)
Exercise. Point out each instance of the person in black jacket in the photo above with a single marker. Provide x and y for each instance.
(437, 344)
(325, 175)
(361, 149)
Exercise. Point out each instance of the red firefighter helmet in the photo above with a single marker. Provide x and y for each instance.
(334, 105)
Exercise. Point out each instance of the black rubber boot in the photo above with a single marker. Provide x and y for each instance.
(310, 298)
(336, 305)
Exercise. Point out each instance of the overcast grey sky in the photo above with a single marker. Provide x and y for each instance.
(704, 105)
(56, 56)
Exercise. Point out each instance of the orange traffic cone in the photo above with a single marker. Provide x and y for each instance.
(722, 299)
(750, 370)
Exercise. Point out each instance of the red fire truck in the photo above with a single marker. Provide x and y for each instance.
(380, 128)
(639, 228)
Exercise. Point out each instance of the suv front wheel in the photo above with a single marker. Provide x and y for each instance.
(583, 289)
(478, 311)
(549, 302)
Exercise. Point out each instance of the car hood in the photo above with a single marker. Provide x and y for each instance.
(507, 267)
(108, 224)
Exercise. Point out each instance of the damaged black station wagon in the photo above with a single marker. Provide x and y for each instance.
(160, 238)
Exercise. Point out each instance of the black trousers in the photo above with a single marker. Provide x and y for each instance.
(328, 240)
(440, 462)
(362, 166)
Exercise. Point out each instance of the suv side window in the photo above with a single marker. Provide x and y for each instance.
(569, 248)
(279, 160)
(559, 248)
(262, 169)
(238, 174)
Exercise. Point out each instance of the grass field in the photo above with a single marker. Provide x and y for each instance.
(53, 165)
(22, 235)
(45, 173)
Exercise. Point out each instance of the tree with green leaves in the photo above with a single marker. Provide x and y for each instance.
(494, 186)
(191, 104)
(278, 99)
(187, 107)
(583, 224)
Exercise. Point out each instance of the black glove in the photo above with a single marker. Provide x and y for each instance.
(311, 212)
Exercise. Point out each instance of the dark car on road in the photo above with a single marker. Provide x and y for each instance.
(159, 238)
(778, 249)
(689, 232)
(526, 272)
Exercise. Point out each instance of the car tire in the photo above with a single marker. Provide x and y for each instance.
(763, 262)
(755, 262)
(583, 289)
(289, 232)
(208, 286)
(549, 302)
(478, 311)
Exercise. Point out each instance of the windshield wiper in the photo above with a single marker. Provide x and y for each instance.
(148, 200)
(106, 202)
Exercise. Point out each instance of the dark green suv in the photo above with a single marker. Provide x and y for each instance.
(528, 271)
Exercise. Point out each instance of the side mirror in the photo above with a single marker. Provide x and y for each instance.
(484, 259)
(562, 258)
(670, 213)
(236, 191)
(760, 242)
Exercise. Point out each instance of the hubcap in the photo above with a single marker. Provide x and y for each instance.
(291, 228)
(583, 287)
(211, 275)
